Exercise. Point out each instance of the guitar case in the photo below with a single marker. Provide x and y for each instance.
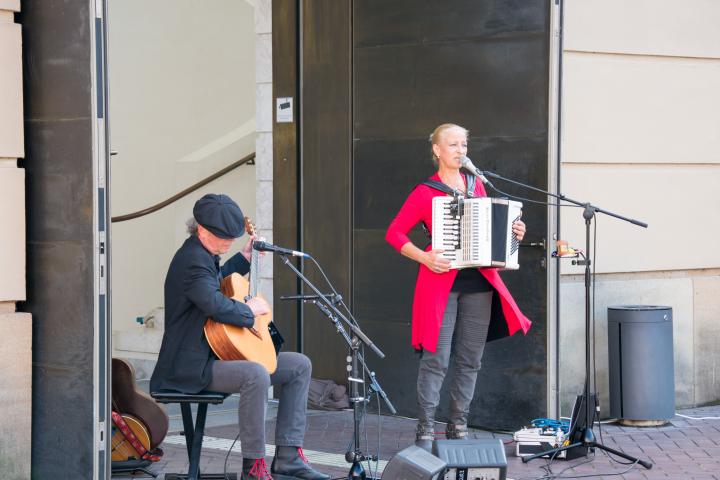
(127, 398)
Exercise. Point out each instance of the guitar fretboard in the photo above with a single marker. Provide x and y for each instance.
(252, 276)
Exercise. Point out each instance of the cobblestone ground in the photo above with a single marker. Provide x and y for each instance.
(683, 449)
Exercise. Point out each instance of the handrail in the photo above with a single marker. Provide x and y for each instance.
(190, 189)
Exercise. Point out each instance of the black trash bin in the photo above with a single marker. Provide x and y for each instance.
(642, 378)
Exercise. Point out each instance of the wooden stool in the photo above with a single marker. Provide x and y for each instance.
(193, 433)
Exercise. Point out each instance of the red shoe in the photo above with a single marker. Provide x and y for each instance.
(255, 469)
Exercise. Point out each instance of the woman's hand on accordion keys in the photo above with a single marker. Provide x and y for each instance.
(436, 262)
(518, 228)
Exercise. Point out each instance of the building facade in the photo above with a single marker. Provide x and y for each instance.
(625, 118)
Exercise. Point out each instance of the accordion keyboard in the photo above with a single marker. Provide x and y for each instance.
(476, 232)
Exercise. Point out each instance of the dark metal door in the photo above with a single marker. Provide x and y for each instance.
(377, 76)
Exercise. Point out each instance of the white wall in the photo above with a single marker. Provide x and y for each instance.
(264, 142)
(16, 395)
(12, 236)
(11, 99)
(641, 137)
(15, 328)
(12, 179)
(182, 106)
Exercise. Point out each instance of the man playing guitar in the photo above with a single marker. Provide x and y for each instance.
(187, 364)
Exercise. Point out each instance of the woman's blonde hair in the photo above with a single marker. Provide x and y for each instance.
(437, 134)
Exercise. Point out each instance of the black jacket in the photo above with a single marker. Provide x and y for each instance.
(192, 294)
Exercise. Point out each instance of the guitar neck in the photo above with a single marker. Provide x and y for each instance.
(253, 275)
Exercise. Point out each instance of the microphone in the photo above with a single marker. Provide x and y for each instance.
(261, 246)
(467, 163)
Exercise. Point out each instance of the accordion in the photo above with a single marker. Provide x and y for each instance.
(476, 232)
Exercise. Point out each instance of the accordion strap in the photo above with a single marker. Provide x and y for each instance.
(470, 182)
(440, 186)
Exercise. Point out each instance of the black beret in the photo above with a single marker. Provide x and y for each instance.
(221, 215)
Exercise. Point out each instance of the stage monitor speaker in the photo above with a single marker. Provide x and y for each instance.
(413, 463)
(472, 459)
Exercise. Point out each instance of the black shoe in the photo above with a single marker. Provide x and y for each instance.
(255, 469)
(425, 435)
(292, 462)
(456, 432)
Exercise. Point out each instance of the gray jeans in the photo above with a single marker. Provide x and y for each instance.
(464, 332)
(251, 381)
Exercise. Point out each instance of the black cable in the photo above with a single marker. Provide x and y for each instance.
(227, 456)
(364, 409)
(594, 272)
(595, 474)
(596, 414)
(594, 263)
(592, 299)
(379, 427)
(367, 442)
(516, 197)
(342, 302)
(362, 357)
(491, 430)
(548, 464)
(552, 476)
(549, 475)
(594, 266)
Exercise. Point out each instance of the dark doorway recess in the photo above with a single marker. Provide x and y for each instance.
(376, 77)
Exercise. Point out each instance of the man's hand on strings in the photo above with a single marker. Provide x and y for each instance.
(246, 250)
(259, 306)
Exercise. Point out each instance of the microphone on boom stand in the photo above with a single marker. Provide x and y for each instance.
(261, 246)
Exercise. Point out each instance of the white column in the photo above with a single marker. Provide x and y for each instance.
(15, 328)
(264, 141)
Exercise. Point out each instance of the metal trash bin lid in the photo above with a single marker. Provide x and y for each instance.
(639, 313)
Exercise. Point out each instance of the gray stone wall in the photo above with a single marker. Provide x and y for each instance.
(15, 395)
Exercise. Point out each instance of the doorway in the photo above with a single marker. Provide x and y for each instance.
(182, 108)
(373, 80)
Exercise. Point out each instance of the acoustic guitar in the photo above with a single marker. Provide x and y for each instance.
(237, 343)
(129, 400)
(122, 449)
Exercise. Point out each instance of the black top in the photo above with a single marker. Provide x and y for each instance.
(192, 294)
(470, 280)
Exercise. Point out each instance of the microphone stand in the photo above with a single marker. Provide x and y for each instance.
(355, 378)
(585, 435)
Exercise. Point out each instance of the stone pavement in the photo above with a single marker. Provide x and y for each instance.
(683, 449)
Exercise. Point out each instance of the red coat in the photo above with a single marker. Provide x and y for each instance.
(432, 289)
